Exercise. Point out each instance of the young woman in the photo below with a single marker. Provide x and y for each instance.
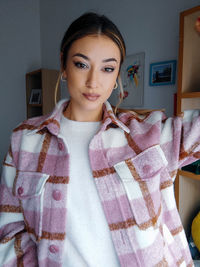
(84, 186)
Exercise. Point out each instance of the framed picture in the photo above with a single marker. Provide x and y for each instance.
(35, 97)
(162, 73)
(132, 76)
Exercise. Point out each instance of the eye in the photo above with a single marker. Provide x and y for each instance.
(80, 65)
(109, 69)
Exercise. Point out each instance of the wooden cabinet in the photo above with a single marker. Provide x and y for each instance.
(40, 88)
(187, 185)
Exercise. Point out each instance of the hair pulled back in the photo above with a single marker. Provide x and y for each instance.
(91, 24)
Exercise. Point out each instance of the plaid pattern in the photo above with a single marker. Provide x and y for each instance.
(134, 161)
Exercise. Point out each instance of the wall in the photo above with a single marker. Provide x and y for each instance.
(19, 53)
(147, 26)
(26, 26)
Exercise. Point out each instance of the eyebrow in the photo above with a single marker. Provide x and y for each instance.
(87, 58)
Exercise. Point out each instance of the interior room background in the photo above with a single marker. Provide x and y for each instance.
(31, 31)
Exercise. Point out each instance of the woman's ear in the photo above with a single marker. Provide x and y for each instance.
(61, 62)
(64, 75)
(62, 66)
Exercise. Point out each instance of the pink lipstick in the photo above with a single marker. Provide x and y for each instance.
(91, 97)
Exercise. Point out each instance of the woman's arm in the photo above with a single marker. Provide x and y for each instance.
(180, 140)
(16, 247)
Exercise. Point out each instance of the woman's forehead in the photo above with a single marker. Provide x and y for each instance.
(98, 45)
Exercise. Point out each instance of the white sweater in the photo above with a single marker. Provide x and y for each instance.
(88, 239)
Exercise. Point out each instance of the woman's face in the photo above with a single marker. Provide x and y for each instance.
(91, 71)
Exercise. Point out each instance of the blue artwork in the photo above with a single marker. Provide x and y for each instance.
(162, 73)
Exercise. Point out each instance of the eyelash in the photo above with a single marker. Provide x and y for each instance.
(110, 69)
(81, 65)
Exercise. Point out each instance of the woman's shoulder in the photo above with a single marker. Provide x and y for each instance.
(141, 114)
(33, 123)
(39, 122)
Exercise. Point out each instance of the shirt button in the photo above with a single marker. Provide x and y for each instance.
(20, 190)
(146, 169)
(61, 146)
(57, 195)
(53, 249)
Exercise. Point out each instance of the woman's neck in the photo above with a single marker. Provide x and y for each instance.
(79, 115)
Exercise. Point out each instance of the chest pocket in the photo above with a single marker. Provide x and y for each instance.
(29, 188)
(141, 179)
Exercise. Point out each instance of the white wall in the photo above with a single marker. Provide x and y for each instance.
(19, 53)
(26, 26)
(147, 26)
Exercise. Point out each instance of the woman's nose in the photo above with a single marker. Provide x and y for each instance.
(92, 79)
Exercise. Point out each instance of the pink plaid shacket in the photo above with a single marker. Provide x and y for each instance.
(134, 160)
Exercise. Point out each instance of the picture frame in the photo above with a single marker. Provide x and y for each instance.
(132, 77)
(162, 73)
(35, 97)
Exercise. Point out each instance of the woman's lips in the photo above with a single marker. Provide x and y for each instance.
(91, 97)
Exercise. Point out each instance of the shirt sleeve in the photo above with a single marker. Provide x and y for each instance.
(180, 139)
(16, 247)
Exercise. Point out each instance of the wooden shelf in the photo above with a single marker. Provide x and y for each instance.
(189, 198)
(44, 79)
(190, 175)
(189, 61)
(187, 184)
(190, 95)
(35, 72)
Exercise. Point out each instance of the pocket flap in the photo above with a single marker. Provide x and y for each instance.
(144, 166)
(141, 179)
(29, 184)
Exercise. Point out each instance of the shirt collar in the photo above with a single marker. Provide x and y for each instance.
(52, 122)
(109, 117)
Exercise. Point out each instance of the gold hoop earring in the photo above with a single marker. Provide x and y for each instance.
(116, 85)
(62, 79)
(56, 88)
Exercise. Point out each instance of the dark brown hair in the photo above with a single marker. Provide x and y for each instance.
(91, 24)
